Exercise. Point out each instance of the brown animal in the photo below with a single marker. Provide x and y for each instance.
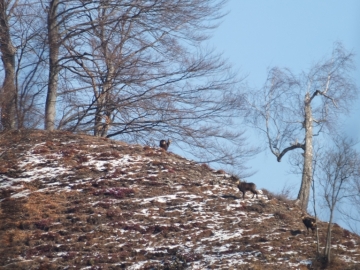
(243, 187)
(165, 144)
(309, 222)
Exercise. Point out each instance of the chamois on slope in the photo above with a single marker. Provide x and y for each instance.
(165, 144)
(243, 187)
(309, 222)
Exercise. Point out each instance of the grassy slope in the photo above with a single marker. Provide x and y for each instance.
(74, 201)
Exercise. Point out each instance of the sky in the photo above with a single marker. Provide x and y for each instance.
(260, 34)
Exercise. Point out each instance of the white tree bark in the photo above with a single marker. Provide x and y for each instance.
(304, 192)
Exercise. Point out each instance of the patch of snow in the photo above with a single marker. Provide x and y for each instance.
(21, 194)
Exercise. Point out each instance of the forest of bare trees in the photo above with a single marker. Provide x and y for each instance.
(132, 70)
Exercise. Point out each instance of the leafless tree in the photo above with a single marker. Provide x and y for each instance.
(8, 91)
(29, 34)
(289, 110)
(349, 210)
(337, 170)
(24, 68)
(134, 70)
(317, 158)
(134, 56)
(141, 71)
(54, 66)
(66, 20)
(77, 27)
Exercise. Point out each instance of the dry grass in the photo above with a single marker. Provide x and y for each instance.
(159, 211)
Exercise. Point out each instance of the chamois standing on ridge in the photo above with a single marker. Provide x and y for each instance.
(309, 222)
(243, 187)
(165, 144)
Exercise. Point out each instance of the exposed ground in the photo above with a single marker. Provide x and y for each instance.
(78, 202)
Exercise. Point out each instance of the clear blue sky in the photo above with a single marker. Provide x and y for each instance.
(258, 34)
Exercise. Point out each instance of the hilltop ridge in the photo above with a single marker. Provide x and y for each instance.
(70, 201)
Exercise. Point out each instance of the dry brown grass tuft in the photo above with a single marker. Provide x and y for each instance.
(40, 150)
(281, 215)
(206, 167)
(40, 205)
(14, 237)
(4, 168)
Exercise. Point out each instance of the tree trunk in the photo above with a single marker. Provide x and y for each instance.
(328, 238)
(102, 115)
(103, 112)
(8, 93)
(98, 127)
(53, 38)
(102, 118)
(304, 192)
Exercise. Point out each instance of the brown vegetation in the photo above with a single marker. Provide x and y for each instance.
(158, 212)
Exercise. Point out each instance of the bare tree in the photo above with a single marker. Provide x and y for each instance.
(135, 54)
(23, 64)
(349, 210)
(7, 49)
(290, 109)
(141, 72)
(317, 158)
(72, 24)
(134, 70)
(54, 67)
(337, 170)
(29, 36)
(65, 21)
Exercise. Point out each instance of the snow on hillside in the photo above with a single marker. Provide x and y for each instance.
(86, 203)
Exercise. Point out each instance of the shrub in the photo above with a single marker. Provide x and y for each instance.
(40, 150)
(82, 158)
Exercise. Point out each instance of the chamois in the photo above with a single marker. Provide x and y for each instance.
(309, 222)
(243, 187)
(165, 144)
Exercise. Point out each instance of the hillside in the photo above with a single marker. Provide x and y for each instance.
(78, 202)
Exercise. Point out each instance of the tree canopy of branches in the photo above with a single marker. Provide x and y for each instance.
(349, 210)
(134, 70)
(337, 172)
(289, 110)
(23, 50)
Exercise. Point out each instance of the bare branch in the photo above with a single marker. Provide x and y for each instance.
(292, 147)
